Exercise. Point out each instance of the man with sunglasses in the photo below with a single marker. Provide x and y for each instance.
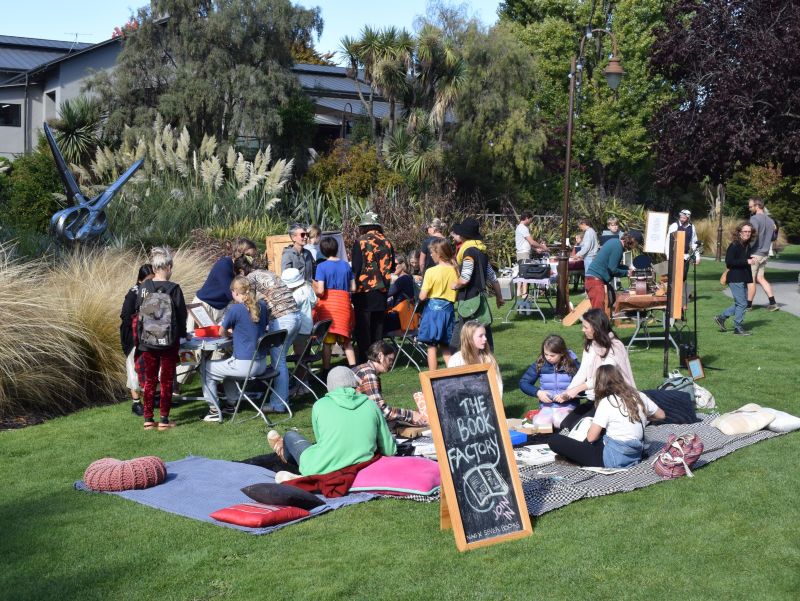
(296, 255)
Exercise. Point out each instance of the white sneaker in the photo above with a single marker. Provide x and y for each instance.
(213, 415)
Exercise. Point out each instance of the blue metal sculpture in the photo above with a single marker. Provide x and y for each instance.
(87, 219)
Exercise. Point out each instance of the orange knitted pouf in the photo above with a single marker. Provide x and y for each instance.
(108, 474)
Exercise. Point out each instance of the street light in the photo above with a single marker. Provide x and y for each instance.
(613, 74)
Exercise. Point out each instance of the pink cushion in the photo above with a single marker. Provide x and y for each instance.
(411, 475)
(258, 515)
(110, 474)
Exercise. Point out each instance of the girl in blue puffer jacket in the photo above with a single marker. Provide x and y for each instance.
(553, 370)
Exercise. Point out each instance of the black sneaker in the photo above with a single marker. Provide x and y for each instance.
(720, 321)
(137, 408)
(741, 332)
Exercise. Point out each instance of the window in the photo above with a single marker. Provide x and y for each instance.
(10, 115)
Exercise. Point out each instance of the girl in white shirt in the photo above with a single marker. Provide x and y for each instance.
(475, 350)
(622, 412)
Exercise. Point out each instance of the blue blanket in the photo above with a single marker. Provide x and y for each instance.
(197, 487)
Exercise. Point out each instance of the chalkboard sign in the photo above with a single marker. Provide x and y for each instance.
(482, 495)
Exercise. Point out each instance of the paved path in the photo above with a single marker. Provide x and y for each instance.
(787, 294)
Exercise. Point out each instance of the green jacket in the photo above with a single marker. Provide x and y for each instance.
(349, 428)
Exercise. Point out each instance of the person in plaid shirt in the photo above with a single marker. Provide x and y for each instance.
(380, 357)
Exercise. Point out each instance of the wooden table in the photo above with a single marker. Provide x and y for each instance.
(642, 309)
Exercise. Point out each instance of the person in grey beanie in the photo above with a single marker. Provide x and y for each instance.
(348, 426)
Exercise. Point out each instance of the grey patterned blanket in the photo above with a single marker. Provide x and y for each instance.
(555, 485)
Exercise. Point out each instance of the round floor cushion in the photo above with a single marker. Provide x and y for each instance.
(110, 474)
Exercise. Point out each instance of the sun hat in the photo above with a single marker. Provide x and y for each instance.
(292, 278)
(469, 229)
(369, 218)
(686, 212)
(341, 377)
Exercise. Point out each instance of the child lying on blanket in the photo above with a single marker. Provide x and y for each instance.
(623, 413)
(348, 426)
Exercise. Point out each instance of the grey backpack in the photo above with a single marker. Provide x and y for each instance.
(156, 325)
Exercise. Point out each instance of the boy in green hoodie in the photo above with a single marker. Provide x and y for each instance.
(348, 426)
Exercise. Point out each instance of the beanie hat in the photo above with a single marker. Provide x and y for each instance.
(341, 377)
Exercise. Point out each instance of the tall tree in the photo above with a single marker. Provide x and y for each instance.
(218, 67)
(735, 66)
(612, 147)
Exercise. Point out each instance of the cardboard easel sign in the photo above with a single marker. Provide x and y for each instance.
(481, 494)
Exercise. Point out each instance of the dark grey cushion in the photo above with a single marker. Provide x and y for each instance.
(282, 494)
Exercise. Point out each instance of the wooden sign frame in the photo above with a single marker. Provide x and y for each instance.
(450, 511)
(676, 282)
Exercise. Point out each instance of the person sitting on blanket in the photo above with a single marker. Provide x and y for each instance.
(380, 358)
(600, 347)
(623, 413)
(554, 370)
(348, 428)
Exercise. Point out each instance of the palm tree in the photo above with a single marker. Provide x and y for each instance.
(77, 129)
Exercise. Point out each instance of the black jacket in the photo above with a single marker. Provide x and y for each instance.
(126, 315)
(736, 261)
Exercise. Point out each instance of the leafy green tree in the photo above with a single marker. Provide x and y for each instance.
(33, 188)
(497, 139)
(217, 67)
(612, 146)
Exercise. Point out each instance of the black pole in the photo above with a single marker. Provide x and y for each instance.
(694, 299)
(562, 301)
(670, 293)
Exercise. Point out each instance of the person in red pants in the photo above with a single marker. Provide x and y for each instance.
(161, 324)
(606, 266)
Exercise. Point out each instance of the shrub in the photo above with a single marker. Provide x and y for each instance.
(356, 170)
(33, 183)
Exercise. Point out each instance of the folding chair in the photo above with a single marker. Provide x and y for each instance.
(267, 342)
(405, 339)
(311, 353)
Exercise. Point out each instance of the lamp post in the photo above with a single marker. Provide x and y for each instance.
(613, 74)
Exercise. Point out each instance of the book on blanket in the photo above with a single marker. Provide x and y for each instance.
(535, 454)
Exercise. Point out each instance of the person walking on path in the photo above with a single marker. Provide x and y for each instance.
(739, 262)
(763, 228)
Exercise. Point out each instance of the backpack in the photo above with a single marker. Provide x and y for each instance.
(680, 452)
(156, 325)
(703, 399)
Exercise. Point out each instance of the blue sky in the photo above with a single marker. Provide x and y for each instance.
(94, 20)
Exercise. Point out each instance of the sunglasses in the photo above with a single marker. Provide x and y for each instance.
(302, 234)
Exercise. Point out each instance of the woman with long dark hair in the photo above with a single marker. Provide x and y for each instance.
(622, 413)
(600, 347)
(738, 262)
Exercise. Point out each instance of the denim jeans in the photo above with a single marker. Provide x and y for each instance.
(737, 309)
(586, 262)
(621, 453)
(295, 443)
(290, 323)
(227, 371)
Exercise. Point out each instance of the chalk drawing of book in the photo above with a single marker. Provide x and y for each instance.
(483, 483)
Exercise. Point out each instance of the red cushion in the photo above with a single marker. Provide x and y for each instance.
(258, 515)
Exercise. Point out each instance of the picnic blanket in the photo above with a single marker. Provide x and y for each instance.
(197, 487)
(555, 485)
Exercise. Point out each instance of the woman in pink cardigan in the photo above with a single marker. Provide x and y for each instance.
(600, 347)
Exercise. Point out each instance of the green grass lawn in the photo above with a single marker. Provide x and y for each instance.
(731, 532)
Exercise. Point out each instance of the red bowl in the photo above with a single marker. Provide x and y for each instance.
(207, 332)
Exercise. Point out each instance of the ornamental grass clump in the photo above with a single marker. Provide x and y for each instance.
(59, 346)
(41, 366)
